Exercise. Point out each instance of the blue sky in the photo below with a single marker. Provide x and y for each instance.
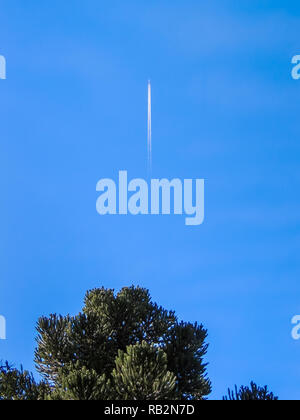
(225, 108)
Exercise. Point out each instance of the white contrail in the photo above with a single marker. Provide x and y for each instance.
(149, 128)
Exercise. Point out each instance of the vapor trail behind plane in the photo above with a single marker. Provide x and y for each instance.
(149, 137)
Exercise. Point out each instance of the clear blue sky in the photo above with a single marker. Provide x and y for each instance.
(225, 108)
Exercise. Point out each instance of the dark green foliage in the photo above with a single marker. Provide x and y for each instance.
(185, 350)
(73, 353)
(64, 342)
(80, 384)
(141, 374)
(20, 385)
(121, 347)
(254, 393)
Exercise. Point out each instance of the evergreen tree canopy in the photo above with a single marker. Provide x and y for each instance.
(142, 374)
(19, 385)
(122, 346)
(252, 393)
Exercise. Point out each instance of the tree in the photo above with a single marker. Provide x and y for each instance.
(80, 384)
(20, 385)
(185, 358)
(120, 346)
(141, 374)
(253, 393)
